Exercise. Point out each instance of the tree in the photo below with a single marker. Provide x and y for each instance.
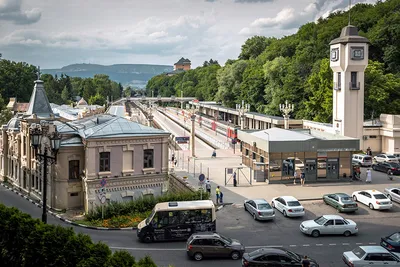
(254, 46)
(97, 100)
(128, 91)
(121, 259)
(5, 116)
(66, 94)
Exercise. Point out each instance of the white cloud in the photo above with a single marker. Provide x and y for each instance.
(10, 10)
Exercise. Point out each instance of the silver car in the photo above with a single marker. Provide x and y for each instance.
(259, 208)
(393, 194)
(329, 225)
(370, 256)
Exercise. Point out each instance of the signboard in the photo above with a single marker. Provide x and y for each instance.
(202, 177)
(182, 139)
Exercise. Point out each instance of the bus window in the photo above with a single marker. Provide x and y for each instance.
(173, 217)
(162, 218)
(206, 216)
(184, 217)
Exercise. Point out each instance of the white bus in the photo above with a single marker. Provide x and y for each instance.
(177, 221)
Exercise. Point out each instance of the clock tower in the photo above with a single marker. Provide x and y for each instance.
(348, 60)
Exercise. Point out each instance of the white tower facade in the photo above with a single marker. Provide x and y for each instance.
(349, 59)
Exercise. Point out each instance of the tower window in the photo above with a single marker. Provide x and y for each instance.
(354, 84)
(339, 80)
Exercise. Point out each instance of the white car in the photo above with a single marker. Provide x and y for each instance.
(329, 225)
(288, 205)
(386, 158)
(373, 199)
(370, 256)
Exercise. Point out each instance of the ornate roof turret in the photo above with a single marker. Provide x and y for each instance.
(39, 104)
(349, 35)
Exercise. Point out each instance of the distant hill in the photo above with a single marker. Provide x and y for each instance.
(127, 74)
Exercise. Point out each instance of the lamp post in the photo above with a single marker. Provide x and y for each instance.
(150, 114)
(286, 109)
(192, 111)
(242, 108)
(37, 132)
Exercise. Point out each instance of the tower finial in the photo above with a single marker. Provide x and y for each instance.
(349, 12)
(38, 73)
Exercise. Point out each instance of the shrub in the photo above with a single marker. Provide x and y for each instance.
(28, 242)
(140, 205)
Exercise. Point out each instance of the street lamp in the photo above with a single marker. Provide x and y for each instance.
(286, 109)
(243, 108)
(150, 113)
(192, 111)
(37, 132)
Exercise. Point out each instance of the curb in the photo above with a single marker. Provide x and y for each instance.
(38, 204)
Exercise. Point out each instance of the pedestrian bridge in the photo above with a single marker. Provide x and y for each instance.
(153, 99)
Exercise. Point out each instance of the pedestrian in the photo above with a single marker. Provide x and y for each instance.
(305, 262)
(221, 197)
(217, 194)
(208, 186)
(369, 152)
(173, 157)
(176, 162)
(294, 177)
(369, 176)
(303, 178)
(234, 179)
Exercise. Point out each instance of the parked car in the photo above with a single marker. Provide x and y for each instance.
(386, 158)
(341, 201)
(391, 242)
(274, 257)
(393, 194)
(273, 166)
(370, 256)
(387, 167)
(259, 208)
(329, 225)
(397, 156)
(362, 160)
(373, 199)
(321, 163)
(207, 245)
(288, 205)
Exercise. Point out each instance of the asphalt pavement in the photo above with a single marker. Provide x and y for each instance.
(234, 222)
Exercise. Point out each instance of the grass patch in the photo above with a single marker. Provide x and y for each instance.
(121, 221)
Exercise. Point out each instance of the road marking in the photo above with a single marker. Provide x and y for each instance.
(359, 243)
(306, 245)
(319, 244)
(372, 243)
(345, 244)
(292, 245)
(332, 244)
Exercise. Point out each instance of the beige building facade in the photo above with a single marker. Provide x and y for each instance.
(102, 158)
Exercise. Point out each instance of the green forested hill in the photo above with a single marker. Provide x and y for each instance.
(268, 70)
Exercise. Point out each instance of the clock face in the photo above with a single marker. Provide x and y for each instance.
(357, 53)
(335, 54)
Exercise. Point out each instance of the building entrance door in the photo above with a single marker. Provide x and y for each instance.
(332, 169)
(310, 170)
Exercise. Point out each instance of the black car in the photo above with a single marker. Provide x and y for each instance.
(391, 242)
(274, 257)
(388, 167)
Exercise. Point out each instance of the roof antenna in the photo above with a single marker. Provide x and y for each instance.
(349, 11)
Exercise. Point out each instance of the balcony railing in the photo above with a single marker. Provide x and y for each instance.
(337, 86)
(354, 86)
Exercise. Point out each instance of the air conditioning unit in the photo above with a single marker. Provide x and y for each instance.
(365, 137)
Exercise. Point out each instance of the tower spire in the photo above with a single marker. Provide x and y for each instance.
(349, 12)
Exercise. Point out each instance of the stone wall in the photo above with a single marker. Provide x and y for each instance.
(177, 184)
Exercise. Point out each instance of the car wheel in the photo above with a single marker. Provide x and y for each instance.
(371, 206)
(235, 255)
(254, 216)
(284, 213)
(389, 197)
(148, 239)
(354, 198)
(315, 233)
(273, 204)
(245, 207)
(389, 172)
(198, 256)
(347, 233)
(338, 209)
(373, 167)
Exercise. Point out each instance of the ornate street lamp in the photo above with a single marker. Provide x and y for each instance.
(286, 109)
(242, 109)
(37, 132)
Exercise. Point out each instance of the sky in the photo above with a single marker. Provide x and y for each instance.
(56, 33)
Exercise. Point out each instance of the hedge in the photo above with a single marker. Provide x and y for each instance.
(27, 242)
(140, 205)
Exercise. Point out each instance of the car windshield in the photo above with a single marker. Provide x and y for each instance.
(226, 239)
(394, 165)
(395, 237)
(359, 252)
(391, 157)
(320, 220)
(148, 220)
(380, 196)
(367, 158)
(264, 206)
(293, 255)
(346, 199)
(293, 203)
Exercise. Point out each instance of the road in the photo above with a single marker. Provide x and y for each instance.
(234, 222)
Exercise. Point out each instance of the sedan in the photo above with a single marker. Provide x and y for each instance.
(274, 257)
(393, 194)
(370, 256)
(329, 225)
(373, 199)
(385, 158)
(341, 201)
(289, 206)
(391, 242)
(259, 208)
(387, 167)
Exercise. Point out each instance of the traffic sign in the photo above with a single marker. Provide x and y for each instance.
(182, 139)
(202, 177)
(103, 182)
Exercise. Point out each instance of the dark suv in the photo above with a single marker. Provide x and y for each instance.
(213, 245)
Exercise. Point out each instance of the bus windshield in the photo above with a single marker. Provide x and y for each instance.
(148, 220)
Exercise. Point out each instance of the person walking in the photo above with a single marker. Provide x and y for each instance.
(234, 179)
(369, 176)
(294, 177)
(217, 194)
(302, 178)
(221, 197)
(305, 262)
(208, 186)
